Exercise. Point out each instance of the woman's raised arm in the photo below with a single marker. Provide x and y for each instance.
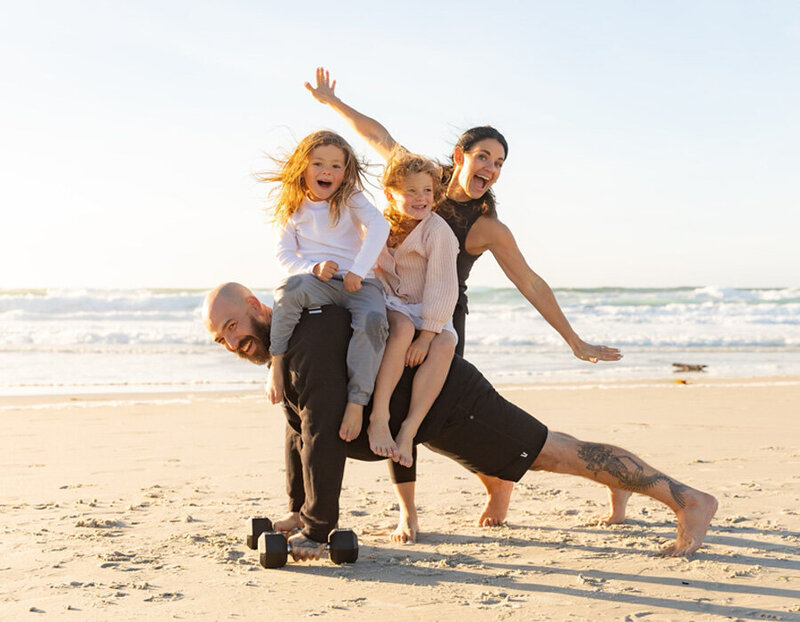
(370, 130)
(492, 235)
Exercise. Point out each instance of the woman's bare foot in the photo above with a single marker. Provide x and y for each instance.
(351, 422)
(618, 499)
(499, 496)
(405, 449)
(380, 438)
(693, 521)
(290, 522)
(407, 529)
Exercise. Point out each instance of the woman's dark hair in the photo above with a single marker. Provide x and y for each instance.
(476, 134)
(467, 141)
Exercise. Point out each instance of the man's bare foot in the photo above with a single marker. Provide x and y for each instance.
(290, 522)
(499, 493)
(304, 549)
(693, 522)
(618, 499)
(405, 449)
(380, 438)
(407, 529)
(351, 422)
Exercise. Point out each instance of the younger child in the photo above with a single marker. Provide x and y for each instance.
(418, 271)
(329, 237)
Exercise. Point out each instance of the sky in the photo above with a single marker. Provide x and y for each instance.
(651, 143)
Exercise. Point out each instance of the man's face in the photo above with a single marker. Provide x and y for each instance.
(240, 330)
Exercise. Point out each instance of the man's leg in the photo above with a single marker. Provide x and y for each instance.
(294, 482)
(621, 470)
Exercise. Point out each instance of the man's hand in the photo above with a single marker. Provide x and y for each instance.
(304, 549)
(324, 91)
(352, 282)
(418, 350)
(325, 270)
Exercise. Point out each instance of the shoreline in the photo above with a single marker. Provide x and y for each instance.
(109, 398)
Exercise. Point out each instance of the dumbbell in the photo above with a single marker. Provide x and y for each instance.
(274, 549)
(257, 525)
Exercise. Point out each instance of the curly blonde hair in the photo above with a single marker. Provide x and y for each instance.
(403, 164)
(291, 192)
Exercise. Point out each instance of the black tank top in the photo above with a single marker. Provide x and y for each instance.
(461, 217)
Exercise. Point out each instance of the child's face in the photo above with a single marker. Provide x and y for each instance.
(324, 172)
(414, 197)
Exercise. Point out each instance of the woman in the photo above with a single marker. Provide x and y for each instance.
(469, 209)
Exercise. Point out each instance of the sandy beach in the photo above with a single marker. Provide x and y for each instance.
(134, 507)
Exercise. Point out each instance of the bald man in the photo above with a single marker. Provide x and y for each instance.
(469, 422)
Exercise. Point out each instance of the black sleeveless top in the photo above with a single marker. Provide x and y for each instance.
(461, 217)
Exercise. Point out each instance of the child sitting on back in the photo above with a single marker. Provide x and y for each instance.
(329, 237)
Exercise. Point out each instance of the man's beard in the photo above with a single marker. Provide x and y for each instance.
(261, 342)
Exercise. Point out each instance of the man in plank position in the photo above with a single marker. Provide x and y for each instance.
(469, 422)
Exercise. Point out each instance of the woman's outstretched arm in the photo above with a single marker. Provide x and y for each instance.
(370, 130)
(492, 235)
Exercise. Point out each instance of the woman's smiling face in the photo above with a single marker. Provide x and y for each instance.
(479, 168)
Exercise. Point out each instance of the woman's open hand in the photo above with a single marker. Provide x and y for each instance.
(324, 91)
(588, 352)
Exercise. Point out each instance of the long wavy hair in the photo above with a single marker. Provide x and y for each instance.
(487, 204)
(403, 164)
(291, 191)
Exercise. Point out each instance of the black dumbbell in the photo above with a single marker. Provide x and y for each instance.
(257, 525)
(273, 548)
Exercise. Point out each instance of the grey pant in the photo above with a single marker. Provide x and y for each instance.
(368, 321)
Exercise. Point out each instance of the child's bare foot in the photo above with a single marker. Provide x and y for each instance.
(275, 383)
(407, 529)
(618, 499)
(380, 438)
(693, 521)
(351, 422)
(405, 449)
(499, 495)
(290, 522)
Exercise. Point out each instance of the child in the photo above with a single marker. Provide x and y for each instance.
(329, 237)
(418, 271)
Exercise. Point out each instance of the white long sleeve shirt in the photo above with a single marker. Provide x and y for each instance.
(309, 237)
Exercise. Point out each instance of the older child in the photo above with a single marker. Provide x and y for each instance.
(329, 237)
(418, 271)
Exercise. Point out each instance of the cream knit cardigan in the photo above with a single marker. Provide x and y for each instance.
(423, 270)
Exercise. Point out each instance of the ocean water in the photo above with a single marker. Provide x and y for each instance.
(101, 341)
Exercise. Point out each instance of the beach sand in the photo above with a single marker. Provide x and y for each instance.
(131, 507)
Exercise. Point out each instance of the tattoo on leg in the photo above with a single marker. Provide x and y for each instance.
(626, 470)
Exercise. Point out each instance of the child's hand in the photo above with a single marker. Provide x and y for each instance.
(352, 282)
(324, 91)
(418, 350)
(325, 270)
(275, 384)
